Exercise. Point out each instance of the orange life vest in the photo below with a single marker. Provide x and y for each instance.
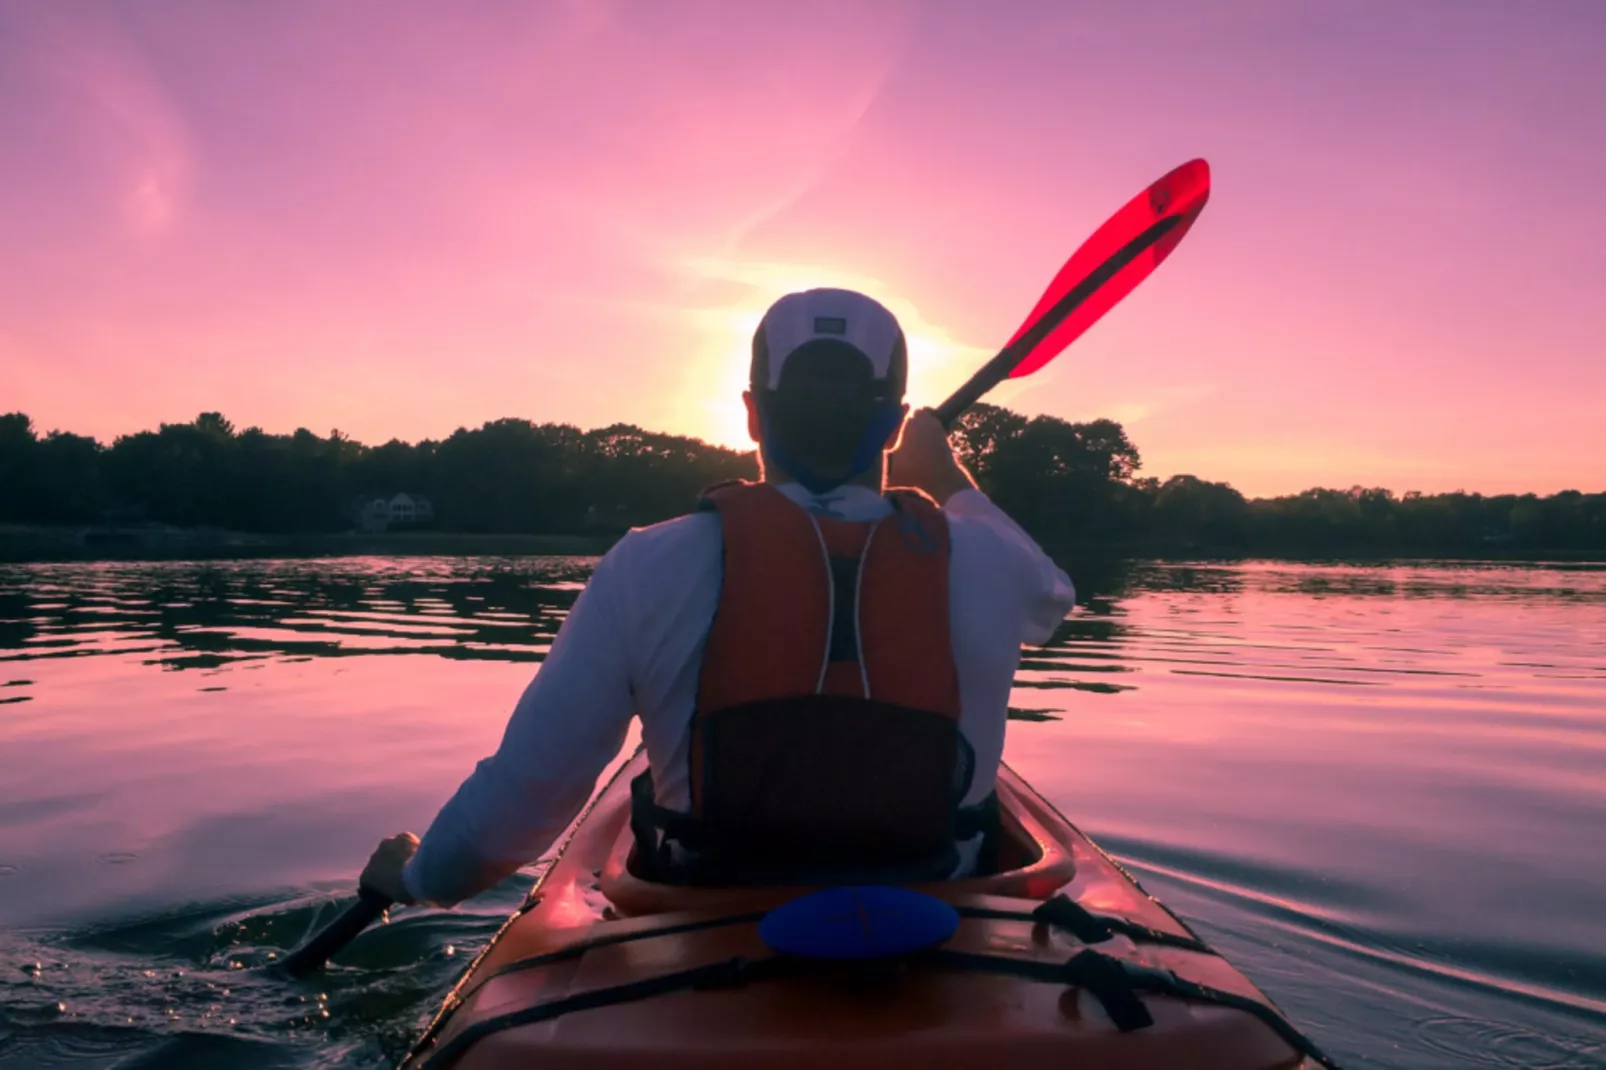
(825, 744)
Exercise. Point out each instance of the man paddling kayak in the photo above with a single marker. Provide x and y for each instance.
(822, 669)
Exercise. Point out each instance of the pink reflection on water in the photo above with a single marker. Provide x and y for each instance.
(288, 775)
(1402, 751)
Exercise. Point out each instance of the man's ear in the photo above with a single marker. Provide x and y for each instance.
(755, 426)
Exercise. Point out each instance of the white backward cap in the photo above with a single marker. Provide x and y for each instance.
(831, 315)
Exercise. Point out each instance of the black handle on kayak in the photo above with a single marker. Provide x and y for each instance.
(328, 941)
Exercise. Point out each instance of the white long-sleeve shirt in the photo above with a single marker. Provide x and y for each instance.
(633, 643)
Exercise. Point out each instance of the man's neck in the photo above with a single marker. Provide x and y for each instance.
(873, 478)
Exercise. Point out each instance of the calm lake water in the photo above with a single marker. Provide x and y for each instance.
(1380, 791)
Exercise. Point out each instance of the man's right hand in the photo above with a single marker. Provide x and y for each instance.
(923, 459)
(384, 870)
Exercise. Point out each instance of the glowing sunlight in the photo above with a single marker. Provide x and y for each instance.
(710, 404)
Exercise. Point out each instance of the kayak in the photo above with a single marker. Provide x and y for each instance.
(1058, 958)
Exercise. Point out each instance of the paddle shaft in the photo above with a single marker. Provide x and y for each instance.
(998, 369)
(328, 941)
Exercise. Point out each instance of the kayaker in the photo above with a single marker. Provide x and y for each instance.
(788, 736)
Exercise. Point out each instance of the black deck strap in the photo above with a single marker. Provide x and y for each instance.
(575, 950)
(721, 974)
(1098, 978)
(1106, 980)
(1062, 912)
(1115, 983)
(1103, 977)
(1153, 979)
(1066, 913)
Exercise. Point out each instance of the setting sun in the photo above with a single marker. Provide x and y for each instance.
(711, 406)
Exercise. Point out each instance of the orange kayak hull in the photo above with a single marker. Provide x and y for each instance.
(592, 928)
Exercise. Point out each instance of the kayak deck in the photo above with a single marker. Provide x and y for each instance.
(604, 969)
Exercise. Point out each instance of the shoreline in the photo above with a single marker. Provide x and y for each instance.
(25, 545)
(38, 545)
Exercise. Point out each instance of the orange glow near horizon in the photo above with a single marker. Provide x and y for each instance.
(575, 212)
(712, 399)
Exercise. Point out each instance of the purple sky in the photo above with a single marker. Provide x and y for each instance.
(398, 218)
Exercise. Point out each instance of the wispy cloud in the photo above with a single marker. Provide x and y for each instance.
(1162, 399)
(123, 112)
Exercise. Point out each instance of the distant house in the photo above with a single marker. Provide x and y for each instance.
(411, 509)
(379, 512)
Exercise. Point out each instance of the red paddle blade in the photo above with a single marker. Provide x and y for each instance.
(1169, 206)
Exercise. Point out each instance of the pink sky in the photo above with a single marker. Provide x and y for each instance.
(399, 218)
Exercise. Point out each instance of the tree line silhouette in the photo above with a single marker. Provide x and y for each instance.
(1069, 484)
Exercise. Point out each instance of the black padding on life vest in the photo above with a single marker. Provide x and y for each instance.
(817, 789)
(655, 828)
(859, 788)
